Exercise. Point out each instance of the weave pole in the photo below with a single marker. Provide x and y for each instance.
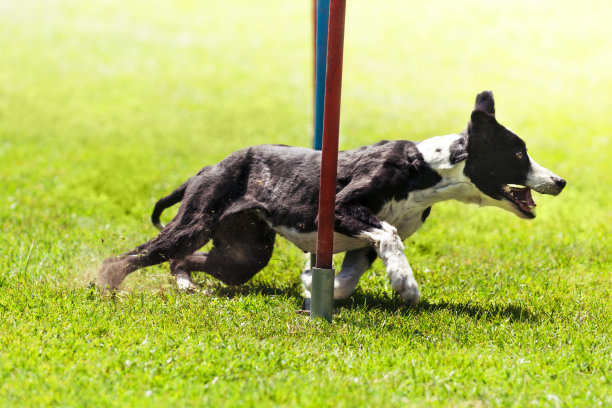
(321, 20)
(323, 274)
(320, 17)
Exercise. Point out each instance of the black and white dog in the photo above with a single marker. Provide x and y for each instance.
(384, 194)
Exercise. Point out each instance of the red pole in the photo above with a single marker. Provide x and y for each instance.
(331, 127)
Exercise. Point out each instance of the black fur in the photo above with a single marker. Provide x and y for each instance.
(367, 178)
(237, 202)
(240, 202)
(175, 197)
(485, 102)
(425, 214)
(496, 156)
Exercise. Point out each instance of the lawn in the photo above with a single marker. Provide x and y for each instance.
(107, 106)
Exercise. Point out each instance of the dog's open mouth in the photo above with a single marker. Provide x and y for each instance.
(521, 198)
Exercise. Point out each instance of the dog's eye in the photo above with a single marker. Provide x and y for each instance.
(519, 155)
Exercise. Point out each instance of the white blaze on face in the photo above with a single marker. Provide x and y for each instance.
(543, 180)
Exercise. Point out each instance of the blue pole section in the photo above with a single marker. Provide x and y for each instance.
(321, 64)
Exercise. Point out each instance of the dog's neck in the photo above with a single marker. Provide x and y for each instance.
(446, 155)
(443, 153)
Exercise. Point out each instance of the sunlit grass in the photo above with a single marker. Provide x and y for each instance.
(107, 106)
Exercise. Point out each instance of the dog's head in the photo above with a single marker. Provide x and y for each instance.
(498, 164)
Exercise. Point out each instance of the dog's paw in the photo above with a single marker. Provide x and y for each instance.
(185, 284)
(408, 289)
(110, 276)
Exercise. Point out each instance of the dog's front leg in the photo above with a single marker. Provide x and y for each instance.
(359, 222)
(355, 263)
(390, 249)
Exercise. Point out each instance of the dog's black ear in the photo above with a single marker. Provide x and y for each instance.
(482, 127)
(485, 102)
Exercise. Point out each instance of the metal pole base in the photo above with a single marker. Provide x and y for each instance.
(322, 294)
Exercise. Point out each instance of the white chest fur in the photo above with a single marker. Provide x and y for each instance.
(405, 215)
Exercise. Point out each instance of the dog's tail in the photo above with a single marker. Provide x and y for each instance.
(167, 201)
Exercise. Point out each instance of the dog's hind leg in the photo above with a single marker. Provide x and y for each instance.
(181, 270)
(242, 246)
(175, 241)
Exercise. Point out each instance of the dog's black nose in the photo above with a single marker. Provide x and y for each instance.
(560, 183)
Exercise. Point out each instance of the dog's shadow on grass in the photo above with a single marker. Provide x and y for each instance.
(381, 301)
(474, 310)
(217, 289)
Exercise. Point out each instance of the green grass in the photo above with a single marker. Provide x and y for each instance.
(107, 106)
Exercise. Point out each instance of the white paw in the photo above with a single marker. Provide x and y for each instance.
(184, 283)
(408, 289)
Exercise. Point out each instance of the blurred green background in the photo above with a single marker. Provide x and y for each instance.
(106, 106)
